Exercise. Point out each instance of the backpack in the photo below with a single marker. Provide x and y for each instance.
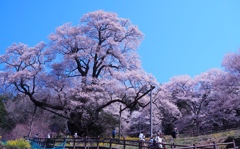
(154, 141)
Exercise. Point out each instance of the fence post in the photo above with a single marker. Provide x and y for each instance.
(124, 143)
(85, 142)
(139, 144)
(234, 145)
(215, 145)
(110, 144)
(194, 146)
(74, 143)
(98, 142)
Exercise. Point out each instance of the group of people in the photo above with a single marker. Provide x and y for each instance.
(157, 141)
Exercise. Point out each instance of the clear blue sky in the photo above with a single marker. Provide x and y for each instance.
(181, 36)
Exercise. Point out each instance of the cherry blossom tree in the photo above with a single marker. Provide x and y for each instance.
(85, 71)
(164, 114)
(192, 96)
(22, 118)
(225, 111)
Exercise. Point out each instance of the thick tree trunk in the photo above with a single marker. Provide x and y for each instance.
(34, 112)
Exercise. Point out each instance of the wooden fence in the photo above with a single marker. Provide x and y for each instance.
(100, 143)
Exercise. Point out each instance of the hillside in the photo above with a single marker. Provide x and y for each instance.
(217, 137)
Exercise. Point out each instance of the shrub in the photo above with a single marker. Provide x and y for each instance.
(17, 144)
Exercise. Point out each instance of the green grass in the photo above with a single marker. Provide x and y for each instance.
(217, 137)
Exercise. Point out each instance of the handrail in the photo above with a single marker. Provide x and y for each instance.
(111, 142)
(50, 143)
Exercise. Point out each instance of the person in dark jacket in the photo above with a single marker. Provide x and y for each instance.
(174, 133)
(113, 133)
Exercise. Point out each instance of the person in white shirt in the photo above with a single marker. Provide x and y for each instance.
(159, 141)
(75, 135)
(142, 136)
(142, 140)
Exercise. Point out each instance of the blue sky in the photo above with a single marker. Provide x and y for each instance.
(181, 36)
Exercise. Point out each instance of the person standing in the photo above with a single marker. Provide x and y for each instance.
(141, 136)
(159, 141)
(113, 133)
(174, 133)
(152, 142)
(75, 135)
(141, 140)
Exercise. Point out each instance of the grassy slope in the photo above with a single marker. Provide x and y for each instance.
(217, 137)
